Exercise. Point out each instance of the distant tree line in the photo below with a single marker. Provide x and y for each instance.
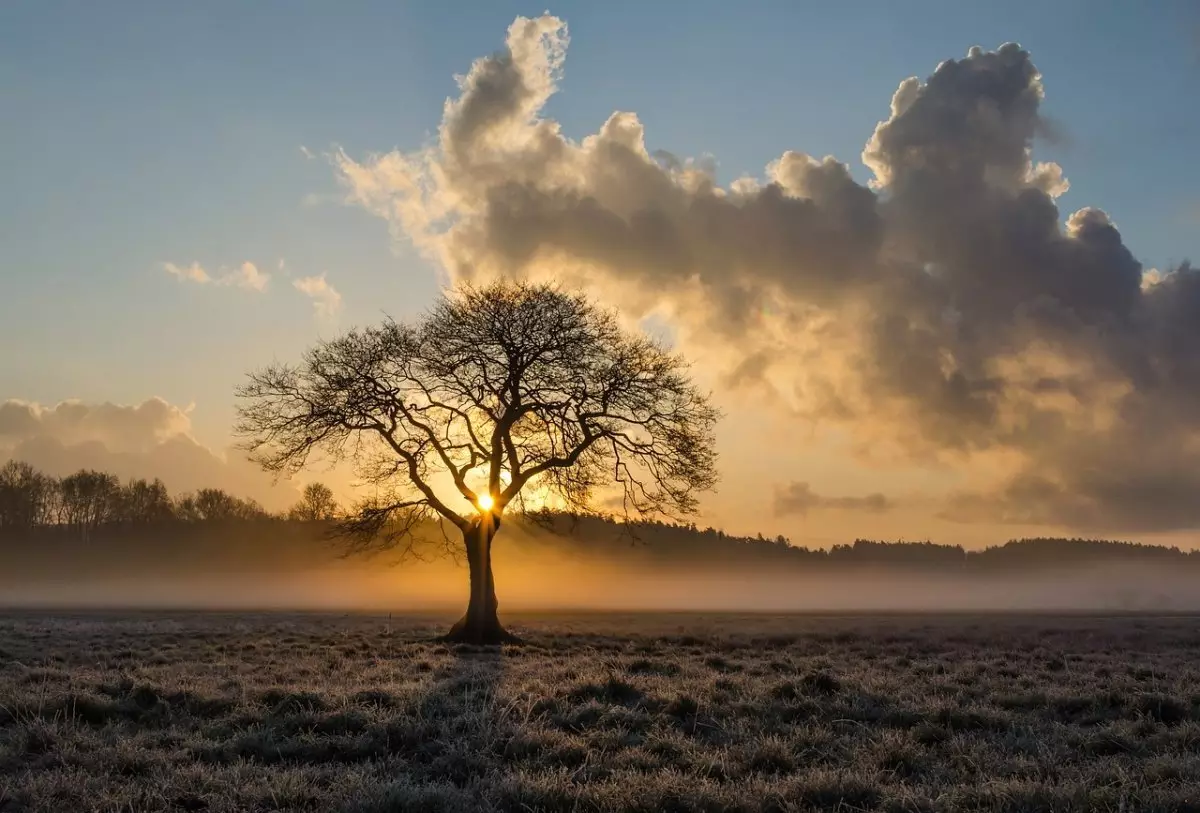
(89, 500)
(89, 503)
(672, 542)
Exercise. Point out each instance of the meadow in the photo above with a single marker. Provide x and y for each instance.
(674, 712)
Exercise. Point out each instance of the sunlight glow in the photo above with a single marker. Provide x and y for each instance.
(485, 502)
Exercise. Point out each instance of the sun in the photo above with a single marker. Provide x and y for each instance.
(485, 501)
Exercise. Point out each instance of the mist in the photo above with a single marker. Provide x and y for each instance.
(536, 570)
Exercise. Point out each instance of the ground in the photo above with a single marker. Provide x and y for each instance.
(227, 712)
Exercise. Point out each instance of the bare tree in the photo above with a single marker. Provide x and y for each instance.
(88, 499)
(217, 505)
(26, 496)
(143, 502)
(316, 504)
(511, 394)
(186, 508)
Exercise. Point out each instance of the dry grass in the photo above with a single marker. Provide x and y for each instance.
(363, 714)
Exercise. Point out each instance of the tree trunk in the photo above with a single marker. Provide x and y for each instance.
(480, 624)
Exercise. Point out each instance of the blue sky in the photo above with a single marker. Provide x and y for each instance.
(135, 134)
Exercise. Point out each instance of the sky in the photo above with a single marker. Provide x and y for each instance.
(192, 191)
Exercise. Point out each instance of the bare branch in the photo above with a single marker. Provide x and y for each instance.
(533, 385)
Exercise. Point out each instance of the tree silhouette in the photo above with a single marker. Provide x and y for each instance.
(141, 502)
(502, 394)
(88, 499)
(315, 505)
(26, 495)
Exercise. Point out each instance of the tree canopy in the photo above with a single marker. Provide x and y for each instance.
(502, 391)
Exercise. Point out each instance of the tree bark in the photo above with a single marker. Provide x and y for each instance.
(481, 623)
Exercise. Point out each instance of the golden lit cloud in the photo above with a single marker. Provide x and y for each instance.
(327, 302)
(246, 276)
(946, 312)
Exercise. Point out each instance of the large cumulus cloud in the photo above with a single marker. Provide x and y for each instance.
(945, 310)
(150, 439)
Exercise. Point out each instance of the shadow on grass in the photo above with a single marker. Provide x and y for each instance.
(452, 739)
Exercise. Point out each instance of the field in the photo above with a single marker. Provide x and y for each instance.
(364, 714)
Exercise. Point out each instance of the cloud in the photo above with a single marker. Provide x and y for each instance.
(191, 273)
(799, 498)
(246, 276)
(1103, 500)
(127, 427)
(946, 311)
(150, 439)
(327, 302)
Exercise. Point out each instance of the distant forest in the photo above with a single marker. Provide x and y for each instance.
(89, 501)
(95, 511)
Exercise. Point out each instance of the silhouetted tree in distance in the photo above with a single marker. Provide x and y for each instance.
(27, 497)
(316, 504)
(88, 499)
(213, 504)
(502, 391)
(186, 509)
(142, 503)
